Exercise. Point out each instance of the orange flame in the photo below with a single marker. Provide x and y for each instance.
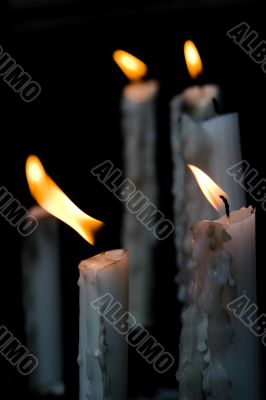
(52, 199)
(132, 67)
(193, 60)
(209, 188)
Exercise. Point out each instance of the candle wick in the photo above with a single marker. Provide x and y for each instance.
(227, 207)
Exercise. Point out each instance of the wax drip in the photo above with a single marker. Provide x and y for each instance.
(207, 332)
(100, 354)
(85, 352)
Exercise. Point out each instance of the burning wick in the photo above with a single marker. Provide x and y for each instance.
(227, 208)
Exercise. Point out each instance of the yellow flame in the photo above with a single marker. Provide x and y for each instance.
(52, 199)
(193, 60)
(209, 188)
(132, 67)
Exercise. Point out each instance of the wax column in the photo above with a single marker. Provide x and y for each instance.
(220, 351)
(212, 142)
(218, 354)
(42, 303)
(102, 349)
(139, 134)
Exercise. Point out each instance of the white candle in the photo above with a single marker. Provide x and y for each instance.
(102, 350)
(42, 303)
(140, 136)
(199, 136)
(218, 354)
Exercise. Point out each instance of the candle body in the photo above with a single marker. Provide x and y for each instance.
(218, 354)
(102, 350)
(139, 133)
(42, 303)
(243, 358)
(212, 143)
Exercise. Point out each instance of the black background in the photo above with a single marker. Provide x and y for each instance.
(75, 124)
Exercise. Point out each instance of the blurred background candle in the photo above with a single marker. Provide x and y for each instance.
(140, 138)
(42, 303)
(218, 354)
(212, 142)
(197, 101)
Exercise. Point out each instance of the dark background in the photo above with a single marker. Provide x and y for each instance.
(75, 124)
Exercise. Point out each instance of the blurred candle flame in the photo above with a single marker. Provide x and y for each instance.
(52, 199)
(193, 60)
(132, 67)
(209, 188)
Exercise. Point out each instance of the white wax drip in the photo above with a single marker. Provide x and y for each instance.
(100, 354)
(207, 331)
(84, 351)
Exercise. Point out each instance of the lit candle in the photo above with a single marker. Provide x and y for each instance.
(102, 351)
(212, 142)
(140, 137)
(42, 303)
(198, 101)
(218, 354)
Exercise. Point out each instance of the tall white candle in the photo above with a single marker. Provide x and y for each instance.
(140, 136)
(200, 137)
(220, 351)
(218, 354)
(42, 303)
(102, 350)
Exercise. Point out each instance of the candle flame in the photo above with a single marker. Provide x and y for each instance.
(209, 188)
(193, 60)
(132, 67)
(52, 199)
